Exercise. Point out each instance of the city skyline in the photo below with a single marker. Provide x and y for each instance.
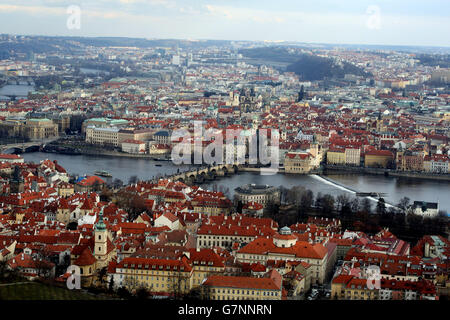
(358, 22)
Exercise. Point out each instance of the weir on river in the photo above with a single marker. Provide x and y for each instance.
(345, 188)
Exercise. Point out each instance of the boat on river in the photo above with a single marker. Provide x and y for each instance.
(102, 173)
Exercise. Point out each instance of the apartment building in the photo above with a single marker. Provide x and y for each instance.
(156, 275)
(242, 288)
(102, 136)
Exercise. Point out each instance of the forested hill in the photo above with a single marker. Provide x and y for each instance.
(307, 66)
(310, 67)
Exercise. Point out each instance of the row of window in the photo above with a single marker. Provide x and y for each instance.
(244, 291)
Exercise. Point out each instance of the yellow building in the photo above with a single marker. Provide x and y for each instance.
(102, 136)
(38, 129)
(352, 156)
(378, 158)
(135, 134)
(156, 275)
(206, 263)
(336, 156)
(65, 189)
(299, 162)
(33, 129)
(348, 287)
(242, 288)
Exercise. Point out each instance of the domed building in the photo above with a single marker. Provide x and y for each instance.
(284, 238)
(263, 194)
(285, 246)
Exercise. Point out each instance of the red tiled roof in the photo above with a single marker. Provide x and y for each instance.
(241, 282)
(85, 259)
(301, 249)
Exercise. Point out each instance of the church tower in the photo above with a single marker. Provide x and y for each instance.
(101, 242)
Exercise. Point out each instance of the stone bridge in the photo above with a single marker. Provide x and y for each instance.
(23, 146)
(200, 175)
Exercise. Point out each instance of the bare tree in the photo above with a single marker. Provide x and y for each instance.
(42, 263)
(133, 180)
(101, 276)
(403, 203)
(177, 284)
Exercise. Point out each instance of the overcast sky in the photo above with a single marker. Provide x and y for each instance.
(393, 22)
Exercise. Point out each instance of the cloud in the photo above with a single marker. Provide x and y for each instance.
(31, 9)
(244, 14)
(224, 20)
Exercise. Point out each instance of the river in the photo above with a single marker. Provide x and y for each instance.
(16, 90)
(145, 169)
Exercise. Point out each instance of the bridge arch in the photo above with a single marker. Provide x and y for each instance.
(212, 174)
(12, 150)
(201, 177)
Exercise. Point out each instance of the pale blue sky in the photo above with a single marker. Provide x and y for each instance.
(395, 22)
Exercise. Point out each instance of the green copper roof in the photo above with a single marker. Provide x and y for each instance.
(100, 225)
(39, 120)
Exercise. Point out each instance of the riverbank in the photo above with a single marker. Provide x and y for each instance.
(329, 169)
(108, 153)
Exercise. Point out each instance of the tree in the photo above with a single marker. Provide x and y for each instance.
(117, 183)
(366, 206)
(293, 195)
(354, 205)
(42, 263)
(273, 209)
(225, 190)
(403, 203)
(177, 285)
(111, 285)
(239, 206)
(72, 225)
(142, 293)
(133, 180)
(7, 274)
(306, 202)
(106, 195)
(102, 276)
(131, 202)
(318, 202)
(123, 293)
(3, 270)
(342, 201)
(381, 207)
(283, 193)
(325, 204)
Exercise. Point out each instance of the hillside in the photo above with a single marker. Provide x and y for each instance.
(307, 66)
(310, 67)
